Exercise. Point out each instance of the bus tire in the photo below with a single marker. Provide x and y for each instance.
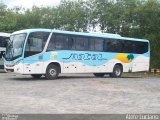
(99, 74)
(117, 71)
(36, 76)
(52, 72)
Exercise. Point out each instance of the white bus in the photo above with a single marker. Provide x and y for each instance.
(48, 52)
(4, 37)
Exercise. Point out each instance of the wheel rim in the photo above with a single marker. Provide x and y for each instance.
(52, 72)
(117, 72)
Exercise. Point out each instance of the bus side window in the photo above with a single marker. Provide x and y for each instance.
(61, 42)
(109, 45)
(71, 43)
(105, 46)
(35, 43)
(99, 44)
(141, 47)
(127, 47)
(81, 43)
(113, 45)
(51, 45)
(91, 44)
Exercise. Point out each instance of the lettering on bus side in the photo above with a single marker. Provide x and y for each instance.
(85, 56)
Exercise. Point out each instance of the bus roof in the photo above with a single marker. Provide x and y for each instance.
(5, 34)
(91, 34)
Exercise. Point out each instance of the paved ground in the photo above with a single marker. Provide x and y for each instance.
(80, 93)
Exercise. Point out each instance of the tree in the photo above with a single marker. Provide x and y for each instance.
(73, 15)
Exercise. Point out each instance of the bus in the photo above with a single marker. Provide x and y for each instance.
(49, 52)
(3, 42)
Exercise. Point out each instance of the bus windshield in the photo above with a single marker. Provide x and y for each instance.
(15, 46)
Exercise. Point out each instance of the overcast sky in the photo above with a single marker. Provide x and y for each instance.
(30, 3)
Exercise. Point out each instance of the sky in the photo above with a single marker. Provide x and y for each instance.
(30, 3)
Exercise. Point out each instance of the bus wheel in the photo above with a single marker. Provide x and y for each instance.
(99, 74)
(117, 71)
(36, 76)
(52, 72)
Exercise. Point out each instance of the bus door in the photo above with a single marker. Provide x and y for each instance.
(33, 59)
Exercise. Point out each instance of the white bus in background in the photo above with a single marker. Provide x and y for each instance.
(4, 37)
(47, 52)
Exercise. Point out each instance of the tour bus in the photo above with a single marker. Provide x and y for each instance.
(4, 37)
(48, 52)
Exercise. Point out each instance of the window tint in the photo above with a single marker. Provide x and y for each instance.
(36, 42)
(3, 41)
(59, 42)
(98, 44)
(71, 43)
(128, 46)
(134, 47)
(113, 46)
(74, 42)
(125, 46)
(52, 45)
(141, 47)
(91, 44)
(67, 42)
(81, 43)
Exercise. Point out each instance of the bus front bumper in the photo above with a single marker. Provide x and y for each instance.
(14, 69)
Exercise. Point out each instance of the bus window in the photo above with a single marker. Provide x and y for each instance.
(59, 42)
(135, 47)
(99, 44)
(112, 45)
(51, 45)
(128, 47)
(91, 44)
(81, 43)
(35, 43)
(141, 47)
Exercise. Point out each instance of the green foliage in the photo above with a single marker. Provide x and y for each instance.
(132, 18)
(73, 15)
